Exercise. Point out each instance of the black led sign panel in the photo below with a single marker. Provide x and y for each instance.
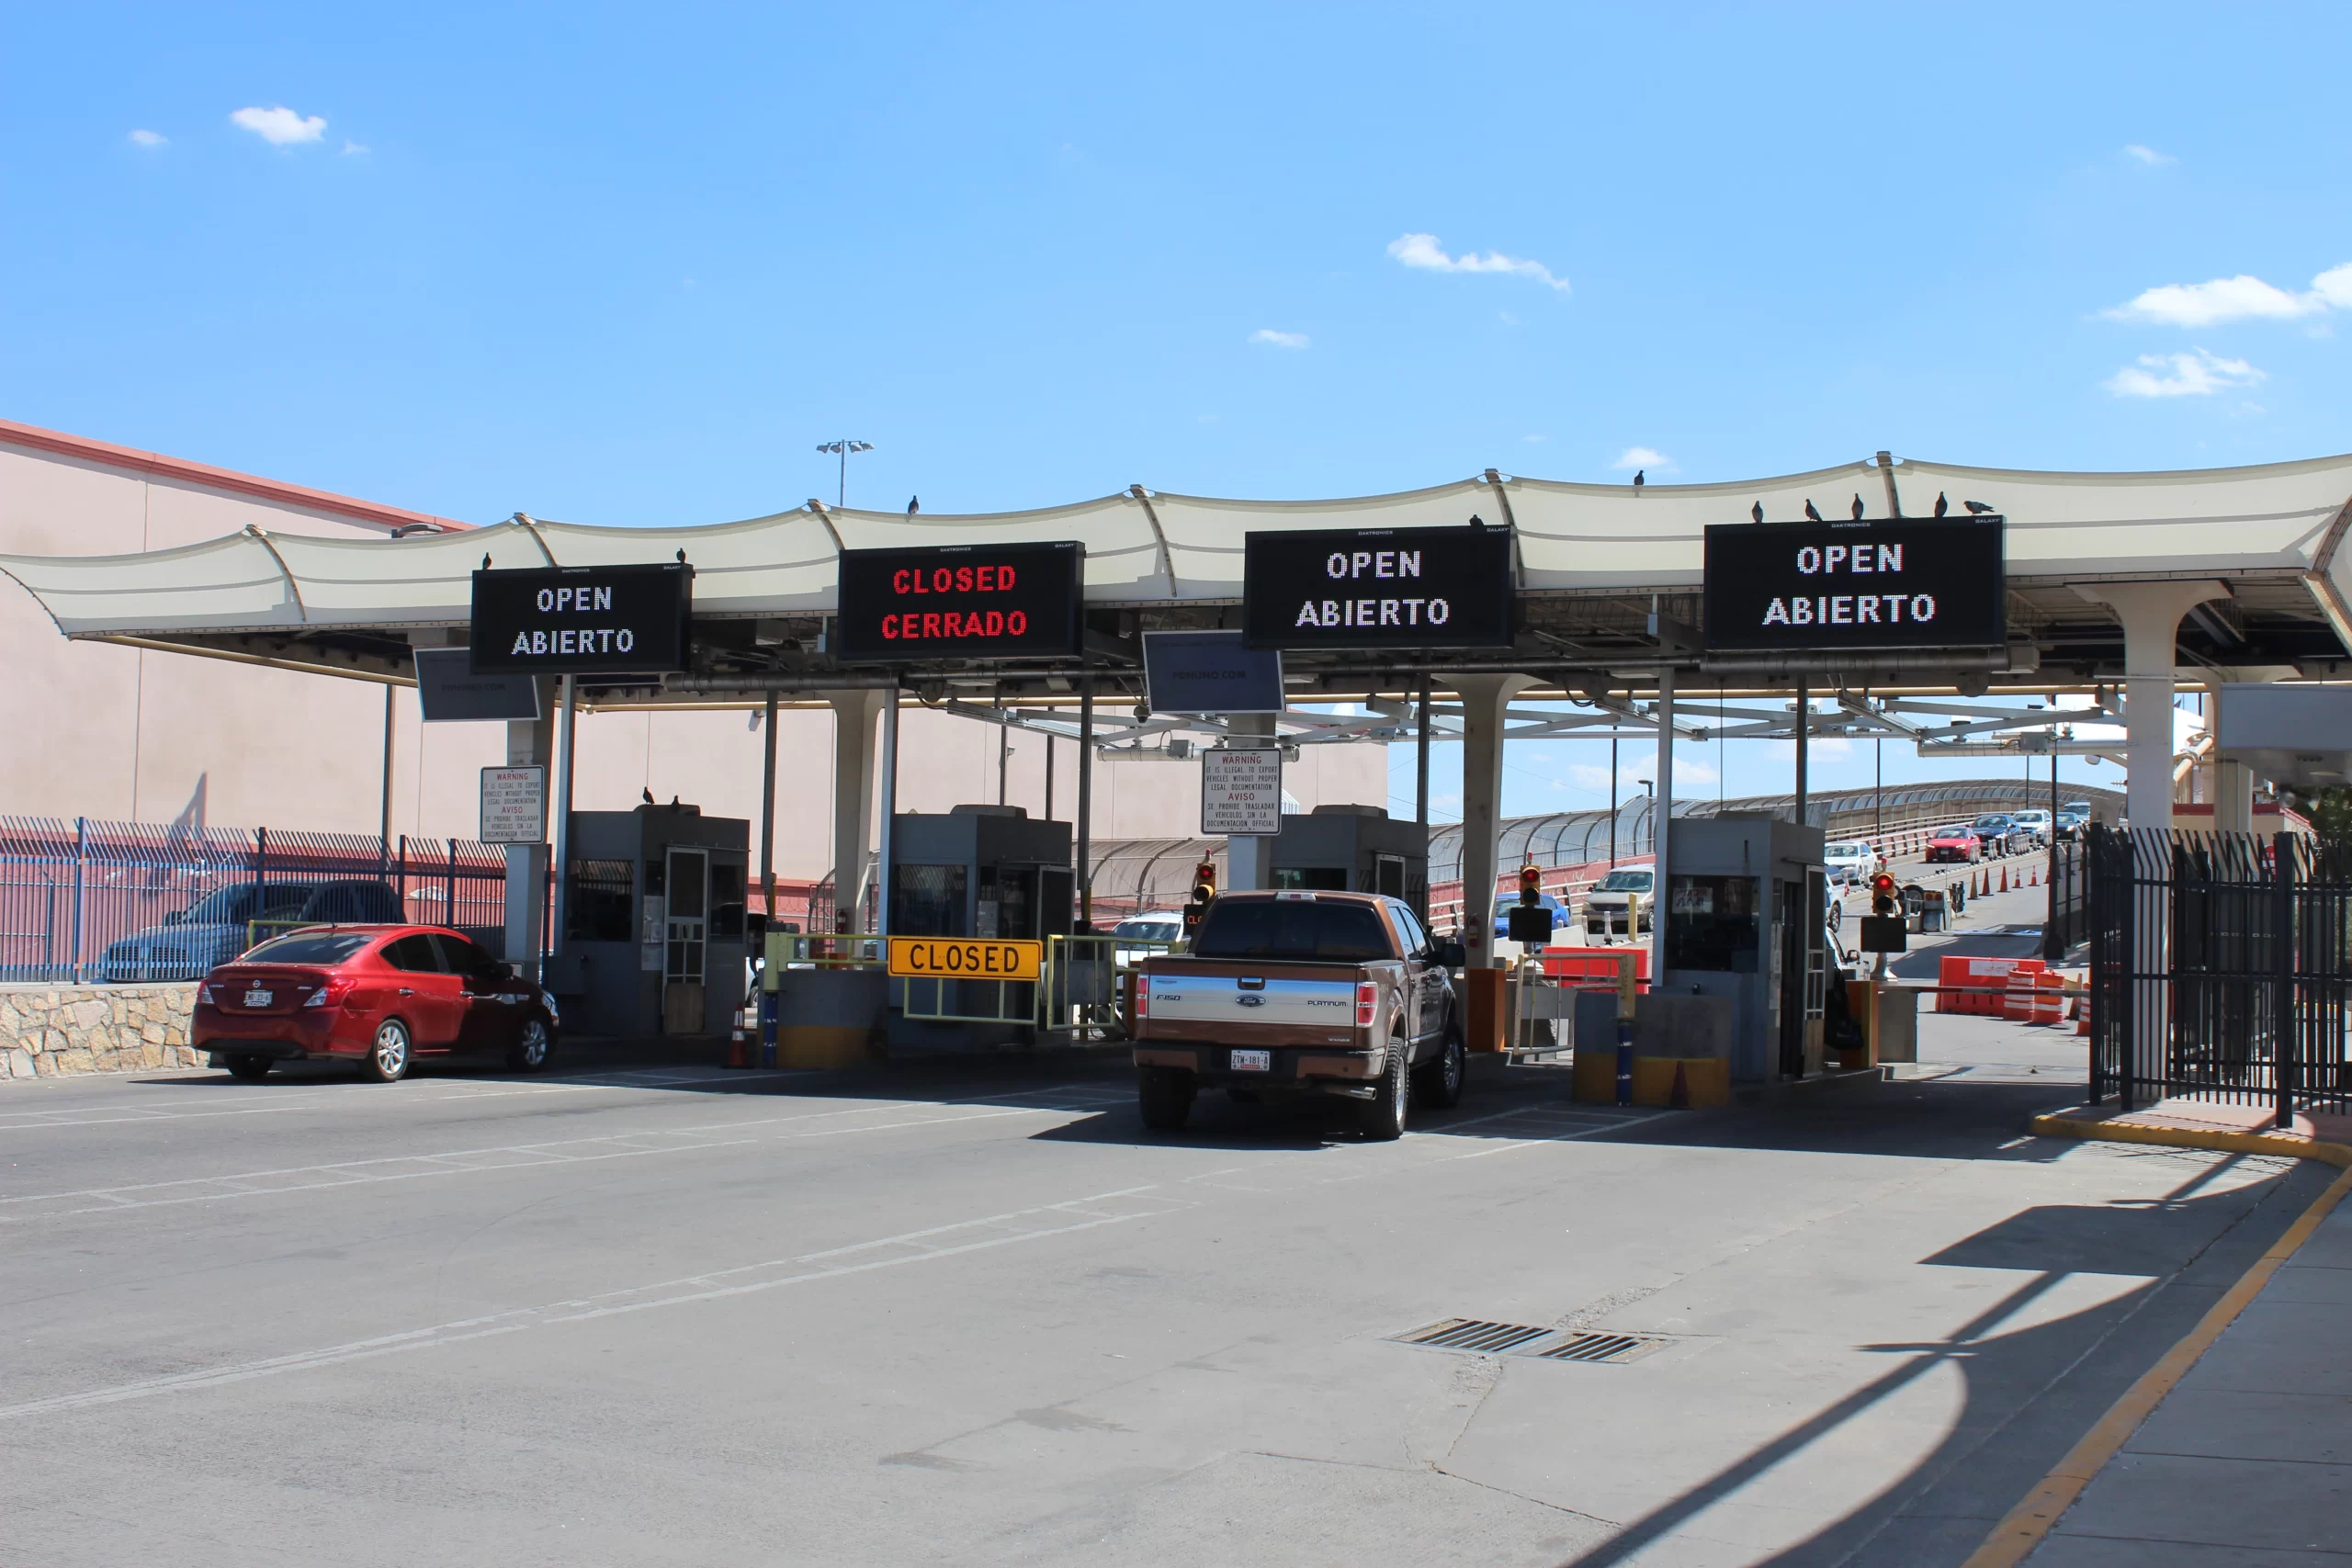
(1855, 587)
(584, 620)
(961, 602)
(1367, 588)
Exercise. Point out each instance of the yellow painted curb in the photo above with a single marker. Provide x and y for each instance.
(2026, 1524)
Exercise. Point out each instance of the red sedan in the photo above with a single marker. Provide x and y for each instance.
(380, 996)
(1955, 844)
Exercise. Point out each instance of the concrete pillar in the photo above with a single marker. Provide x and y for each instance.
(1662, 824)
(1484, 700)
(853, 715)
(1249, 860)
(2151, 613)
(528, 741)
(2232, 797)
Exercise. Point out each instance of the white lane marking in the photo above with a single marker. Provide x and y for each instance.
(506, 1156)
(339, 1097)
(858, 1257)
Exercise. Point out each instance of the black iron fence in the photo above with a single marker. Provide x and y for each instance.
(85, 900)
(2220, 969)
(2068, 922)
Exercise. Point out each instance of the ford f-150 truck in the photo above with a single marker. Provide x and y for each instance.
(1288, 993)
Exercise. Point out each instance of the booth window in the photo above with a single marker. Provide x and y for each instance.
(1711, 924)
(1311, 878)
(927, 900)
(726, 901)
(598, 906)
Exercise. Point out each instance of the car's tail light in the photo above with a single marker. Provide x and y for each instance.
(329, 995)
(1367, 1002)
(1143, 995)
(204, 995)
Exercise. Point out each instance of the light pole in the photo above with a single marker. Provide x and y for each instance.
(843, 449)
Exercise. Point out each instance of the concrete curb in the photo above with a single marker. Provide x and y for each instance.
(2026, 1526)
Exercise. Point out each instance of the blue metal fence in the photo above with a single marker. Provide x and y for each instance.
(87, 900)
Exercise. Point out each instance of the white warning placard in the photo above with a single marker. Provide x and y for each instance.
(1241, 794)
(514, 805)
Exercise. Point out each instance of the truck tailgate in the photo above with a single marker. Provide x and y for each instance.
(1177, 997)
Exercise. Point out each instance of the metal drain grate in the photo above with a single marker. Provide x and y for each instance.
(1473, 1334)
(1616, 1349)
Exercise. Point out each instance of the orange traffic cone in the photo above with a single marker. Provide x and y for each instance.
(738, 1050)
(2005, 879)
(1679, 1097)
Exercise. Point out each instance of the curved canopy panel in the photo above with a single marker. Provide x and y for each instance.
(2278, 522)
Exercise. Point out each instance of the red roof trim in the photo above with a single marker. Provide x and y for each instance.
(210, 478)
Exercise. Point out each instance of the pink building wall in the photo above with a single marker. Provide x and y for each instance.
(99, 731)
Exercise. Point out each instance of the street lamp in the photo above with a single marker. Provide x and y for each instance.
(843, 449)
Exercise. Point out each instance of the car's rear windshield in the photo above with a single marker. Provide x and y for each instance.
(310, 947)
(1623, 882)
(1299, 930)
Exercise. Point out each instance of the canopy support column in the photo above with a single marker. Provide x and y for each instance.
(1486, 701)
(1248, 859)
(2151, 613)
(1661, 827)
(529, 742)
(567, 743)
(883, 878)
(1086, 799)
(767, 816)
(853, 715)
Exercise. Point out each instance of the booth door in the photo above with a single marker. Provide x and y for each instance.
(688, 882)
(1790, 974)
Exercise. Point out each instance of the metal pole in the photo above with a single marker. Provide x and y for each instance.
(2284, 1034)
(1804, 735)
(1004, 752)
(882, 872)
(568, 719)
(767, 817)
(1661, 835)
(384, 819)
(1878, 787)
(1421, 796)
(81, 883)
(1613, 803)
(1085, 796)
(1049, 776)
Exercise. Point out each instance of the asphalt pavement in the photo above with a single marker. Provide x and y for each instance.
(975, 1314)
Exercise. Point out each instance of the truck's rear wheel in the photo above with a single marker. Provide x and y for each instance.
(1383, 1117)
(1164, 1095)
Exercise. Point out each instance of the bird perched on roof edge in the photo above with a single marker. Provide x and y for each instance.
(1638, 476)
(914, 505)
(1976, 508)
(1857, 506)
(1811, 510)
(649, 796)
(1757, 512)
(1942, 505)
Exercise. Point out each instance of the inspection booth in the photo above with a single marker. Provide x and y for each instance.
(1744, 904)
(652, 920)
(974, 871)
(1352, 849)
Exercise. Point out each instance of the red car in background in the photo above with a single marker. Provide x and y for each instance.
(380, 996)
(1955, 844)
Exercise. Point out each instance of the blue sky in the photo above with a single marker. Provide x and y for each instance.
(631, 264)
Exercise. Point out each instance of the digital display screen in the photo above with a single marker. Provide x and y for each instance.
(1838, 587)
(961, 602)
(588, 620)
(1371, 588)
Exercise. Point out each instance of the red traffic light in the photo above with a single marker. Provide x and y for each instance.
(1205, 882)
(1531, 884)
(1883, 893)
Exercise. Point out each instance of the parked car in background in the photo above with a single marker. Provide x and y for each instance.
(2038, 823)
(1162, 929)
(1956, 843)
(376, 995)
(2002, 835)
(1604, 906)
(2070, 823)
(226, 921)
(1852, 860)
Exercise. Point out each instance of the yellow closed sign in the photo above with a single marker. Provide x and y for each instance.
(961, 958)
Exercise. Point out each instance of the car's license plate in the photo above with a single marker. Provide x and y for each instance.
(260, 998)
(1253, 1061)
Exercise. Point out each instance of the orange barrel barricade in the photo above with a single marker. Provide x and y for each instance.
(1985, 975)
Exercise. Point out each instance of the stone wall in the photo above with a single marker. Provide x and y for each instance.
(49, 1031)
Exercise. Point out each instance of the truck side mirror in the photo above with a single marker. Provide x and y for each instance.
(1452, 954)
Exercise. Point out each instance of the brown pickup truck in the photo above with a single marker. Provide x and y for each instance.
(1338, 994)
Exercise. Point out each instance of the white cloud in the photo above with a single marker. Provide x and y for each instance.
(350, 147)
(280, 127)
(150, 138)
(1279, 340)
(1423, 251)
(2192, 375)
(2239, 298)
(2149, 155)
(1644, 458)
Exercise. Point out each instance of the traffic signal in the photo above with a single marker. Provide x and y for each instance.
(1531, 884)
(1205, 882)
(1883, 899)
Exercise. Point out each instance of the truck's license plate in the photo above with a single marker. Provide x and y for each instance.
(1253, 1061)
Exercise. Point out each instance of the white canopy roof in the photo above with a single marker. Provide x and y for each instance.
(2281, 520)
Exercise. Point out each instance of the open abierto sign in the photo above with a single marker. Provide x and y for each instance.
(1840, 587)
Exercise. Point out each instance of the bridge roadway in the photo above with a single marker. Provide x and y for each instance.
(975, 1314)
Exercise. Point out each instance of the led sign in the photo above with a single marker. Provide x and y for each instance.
(1839, 587)
(961, 602)
(588, 620)
(1368, 588)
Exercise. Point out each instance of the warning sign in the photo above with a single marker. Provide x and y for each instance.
(1241, 793)
(515, 805)
(954, 958)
